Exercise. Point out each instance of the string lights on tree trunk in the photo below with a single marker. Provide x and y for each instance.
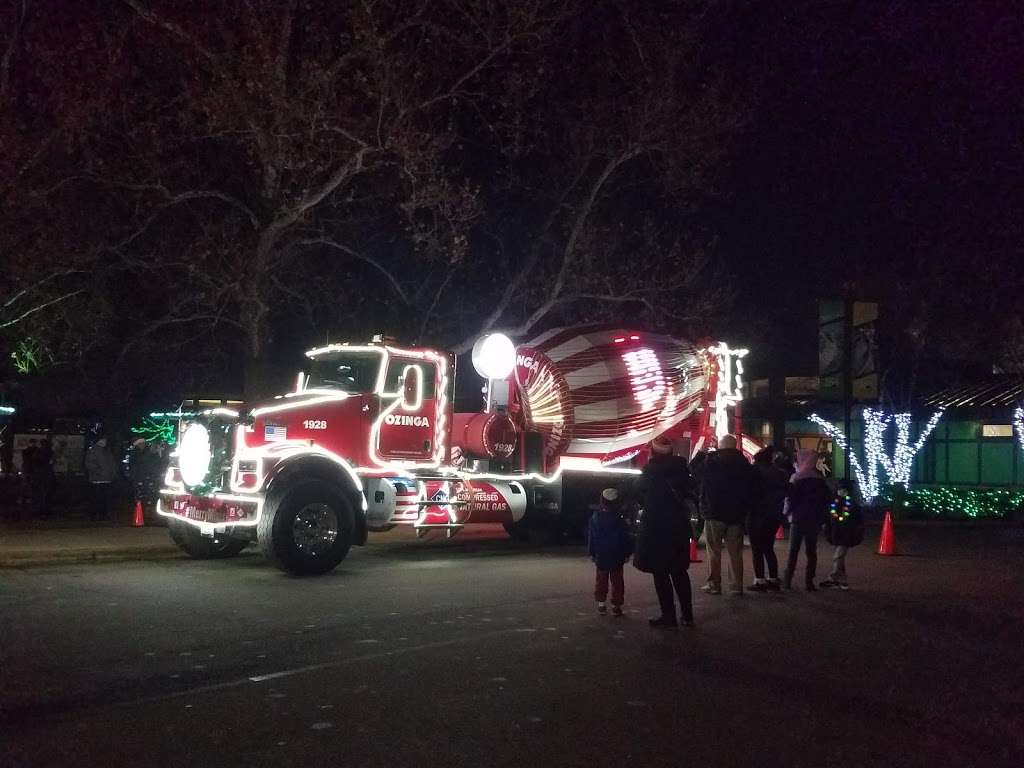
(898, 467)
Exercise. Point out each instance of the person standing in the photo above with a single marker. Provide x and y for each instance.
(27, 484)
(807, 504)
(101, 470)
(44, 478)
(783, 461)
(765, 519)
(843, 529)
(699, 461)
(663, 541)
(610, 545)
(142, 463)
(154, 475)
(727, 494)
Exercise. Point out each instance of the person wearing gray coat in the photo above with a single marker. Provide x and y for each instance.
(101, 471)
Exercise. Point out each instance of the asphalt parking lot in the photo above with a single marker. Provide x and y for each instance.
(481, 651)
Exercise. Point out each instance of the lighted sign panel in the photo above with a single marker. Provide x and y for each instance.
(645, 376)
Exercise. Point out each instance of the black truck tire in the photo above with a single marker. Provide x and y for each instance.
(199, 547)
(309, 530)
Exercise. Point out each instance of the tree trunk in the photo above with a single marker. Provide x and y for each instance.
(259, 380)
(257, 376)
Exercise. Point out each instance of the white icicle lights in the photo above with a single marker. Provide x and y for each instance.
(898, 467)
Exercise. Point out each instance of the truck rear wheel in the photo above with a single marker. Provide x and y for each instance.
(199, 547)
(309, 531)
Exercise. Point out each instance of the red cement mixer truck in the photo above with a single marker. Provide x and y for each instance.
(370, 439)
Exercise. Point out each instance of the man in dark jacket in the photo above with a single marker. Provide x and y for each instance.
(764, 520)
(663, 542)
(727, 494)
(610, 545)
(807, 505)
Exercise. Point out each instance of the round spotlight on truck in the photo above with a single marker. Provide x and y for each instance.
(194, 454)
(494, 356)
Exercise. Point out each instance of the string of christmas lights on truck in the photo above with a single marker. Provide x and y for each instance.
(369, 439)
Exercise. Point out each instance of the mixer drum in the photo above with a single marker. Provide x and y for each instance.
(601, 392)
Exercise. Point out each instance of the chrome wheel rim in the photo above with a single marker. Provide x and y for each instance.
(315, 529)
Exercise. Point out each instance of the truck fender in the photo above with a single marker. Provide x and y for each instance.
(323, 467)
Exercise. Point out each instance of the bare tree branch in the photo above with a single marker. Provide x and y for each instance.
(181, 197)
(433, 304)
(12, 46)
(526, 270)
(301, 298)
(569, 253)
(466, 76)
(39, 308)
(169, 26)
(361, 257)
(164, 322)
(38, 284)
(554, 295)
(281, 64)
(345, 172)
(374, 44)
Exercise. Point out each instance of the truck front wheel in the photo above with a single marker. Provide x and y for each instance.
(309, 531)
(200, 547)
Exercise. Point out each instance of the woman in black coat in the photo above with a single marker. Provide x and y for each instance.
(764, 520)
(663, 541)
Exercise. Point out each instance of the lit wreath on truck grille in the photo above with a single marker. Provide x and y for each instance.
(203, 450)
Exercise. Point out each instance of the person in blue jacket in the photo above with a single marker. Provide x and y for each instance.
(610, 544)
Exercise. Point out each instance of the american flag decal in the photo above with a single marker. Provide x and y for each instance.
(273, 433)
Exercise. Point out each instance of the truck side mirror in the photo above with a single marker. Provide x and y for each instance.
(412, 388)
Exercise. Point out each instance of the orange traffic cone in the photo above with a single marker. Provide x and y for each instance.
(138, 521)
(693, 552)
(887, 542)
(780, 534)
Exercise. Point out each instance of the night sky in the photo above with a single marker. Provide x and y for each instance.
(806, 150)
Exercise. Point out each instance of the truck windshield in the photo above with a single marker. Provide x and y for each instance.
(353, 372)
